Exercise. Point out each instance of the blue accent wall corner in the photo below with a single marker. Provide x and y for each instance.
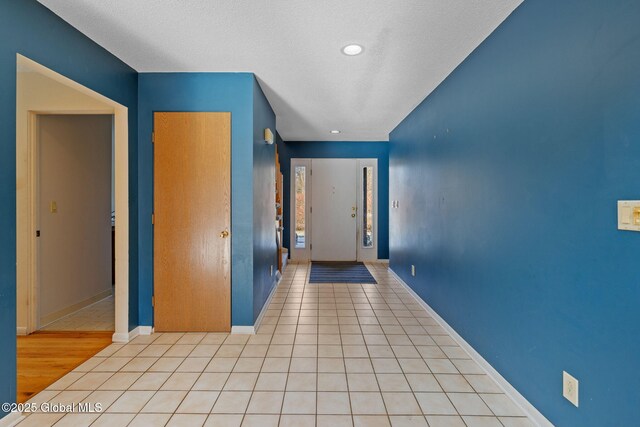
(228, 92)
(30, 29)
(265, 251)
(508, 176)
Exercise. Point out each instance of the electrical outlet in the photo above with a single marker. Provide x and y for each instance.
(570, 388)
(413, 270)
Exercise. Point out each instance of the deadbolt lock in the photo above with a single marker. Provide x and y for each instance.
(353, 215)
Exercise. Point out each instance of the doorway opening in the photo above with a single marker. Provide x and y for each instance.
(334, 209)
(72, 221)
(74, 206)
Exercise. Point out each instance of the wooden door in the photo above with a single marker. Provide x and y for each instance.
(192, 210)
(333, 204)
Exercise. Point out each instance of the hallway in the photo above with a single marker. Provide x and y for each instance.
(325, 355)
(95, 317)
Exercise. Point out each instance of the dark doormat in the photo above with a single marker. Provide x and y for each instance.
(340, 272)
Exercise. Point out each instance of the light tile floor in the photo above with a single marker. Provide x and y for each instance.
(326, 355)
(99, 316)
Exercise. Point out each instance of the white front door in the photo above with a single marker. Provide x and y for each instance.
(333, 210)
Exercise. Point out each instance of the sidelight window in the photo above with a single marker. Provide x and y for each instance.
(300, 207)
(367, 205)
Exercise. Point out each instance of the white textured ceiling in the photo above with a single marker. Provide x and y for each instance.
(293, 47)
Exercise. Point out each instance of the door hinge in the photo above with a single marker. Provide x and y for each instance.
(153, 137)
(311, 172)
(37, 233)
(310, 209)
(153, 300)
(153, 219)
(310, 247)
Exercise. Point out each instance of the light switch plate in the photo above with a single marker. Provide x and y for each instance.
(629, 215)
(570, 388)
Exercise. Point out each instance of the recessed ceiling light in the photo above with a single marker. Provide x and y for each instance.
(352, 49)
(335, 131)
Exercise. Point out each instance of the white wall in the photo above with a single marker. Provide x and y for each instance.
(38, 94)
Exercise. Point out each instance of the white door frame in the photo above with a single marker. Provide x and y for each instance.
(121, 160)
(363, 254)
(300, 254)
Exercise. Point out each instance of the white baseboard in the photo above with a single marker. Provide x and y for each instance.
(265, 307)
(11, 419)
(534, 415)
(120, 337)
(243, 330)
(21, 330)
(145, 330)
(254, 329)
(125, 337)
(134, 333)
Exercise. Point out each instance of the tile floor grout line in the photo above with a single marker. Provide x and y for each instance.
(439, 382)
(375, 375)
(436, 378)
(338, 311)
(270, 341)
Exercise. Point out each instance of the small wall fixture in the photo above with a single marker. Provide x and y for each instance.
(629, 215)
(268, 136)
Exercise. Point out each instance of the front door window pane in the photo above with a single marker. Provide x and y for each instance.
(367, 215)
(300, 207)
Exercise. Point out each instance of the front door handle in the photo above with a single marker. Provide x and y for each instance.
(224, 234)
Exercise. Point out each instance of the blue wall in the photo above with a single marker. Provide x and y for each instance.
(30, 29)
(340, 149)
(202, 92)
(265, 252)
(507, 177)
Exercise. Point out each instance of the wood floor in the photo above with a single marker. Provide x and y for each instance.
(45, 357)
